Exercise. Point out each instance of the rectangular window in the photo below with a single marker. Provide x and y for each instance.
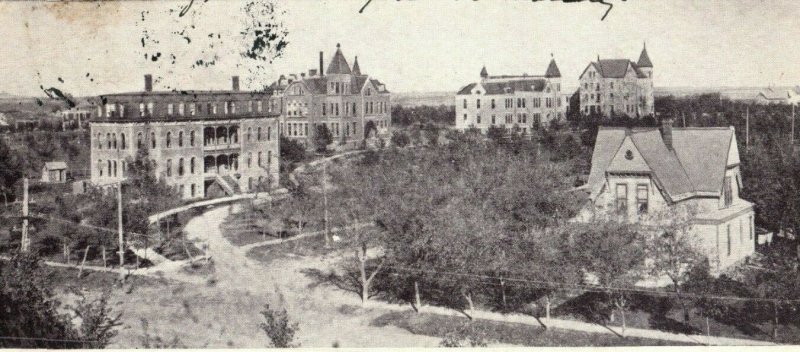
(479, 118)
(492, 103)
(641, 198)
(727, 191)
(170, 109)
(622, 198)
(465, 103)
(729, 240)
(478, 104)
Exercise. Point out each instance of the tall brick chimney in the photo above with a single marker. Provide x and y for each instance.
(148, 83)
(666, 131)
(321, 71)
(235, 83)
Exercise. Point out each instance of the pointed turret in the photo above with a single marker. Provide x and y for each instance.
(338, 64)
(552, 70)
(356, 69)
(644, 59)
(484, 73)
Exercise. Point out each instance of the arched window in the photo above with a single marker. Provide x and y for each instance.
(139, 140)
(191, 166)
(168, 142)
(122, 140)
(180, 139)
(180, 167)
(249, 132)
(100, 166)
(108, 140)
(153, 140)
(115, 168)
(233, 135)
(124, 167)
(259, 159)
(169, 167)
(258, 134)
(191, 140)
(114, 138)
(99, 141)
(249, 160)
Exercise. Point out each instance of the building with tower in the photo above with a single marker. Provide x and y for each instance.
(204, 143)
(611, 87)
(354, 106)
(523, 102)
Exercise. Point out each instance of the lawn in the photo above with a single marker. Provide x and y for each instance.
(313, 246)
(506, 333)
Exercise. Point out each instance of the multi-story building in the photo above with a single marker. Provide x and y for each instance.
(353, 106)
(198, 139)
(526, 102)
(618, 87)
(686, 178)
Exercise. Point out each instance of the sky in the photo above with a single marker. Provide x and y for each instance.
(90, 48)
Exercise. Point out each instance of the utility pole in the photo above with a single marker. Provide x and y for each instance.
(119, 228)
(25, 240)
(747, 128)
(325, 199)
(791, 140)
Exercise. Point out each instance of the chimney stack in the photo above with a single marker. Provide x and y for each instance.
(235, 83)
(302, 75)
(320, 64)
(148, 83)
(666, 132)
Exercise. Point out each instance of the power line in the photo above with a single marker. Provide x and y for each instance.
(594, 288)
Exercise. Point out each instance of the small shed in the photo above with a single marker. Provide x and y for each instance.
(54, 172)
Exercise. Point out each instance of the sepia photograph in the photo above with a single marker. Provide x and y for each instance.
(227, 174)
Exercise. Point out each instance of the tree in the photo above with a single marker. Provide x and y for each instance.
(9, 171)
(291, 151)
(672, 251)
(322, 138)
(277, 327)
(31, 317)
(400, 139)
(614, 253)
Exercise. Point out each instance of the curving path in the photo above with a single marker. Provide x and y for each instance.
(317, 310)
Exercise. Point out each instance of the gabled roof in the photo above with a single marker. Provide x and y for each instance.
(466, 90)
(644, 59)
(378, 86)
(697, 163)
(615, 68)
(552, 70)
(356, 68)
(508, 86)
(319, 85)
(338, 64)
(55, 165)
(773, 94)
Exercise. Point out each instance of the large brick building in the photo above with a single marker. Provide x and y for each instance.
(201, 141)
(617, 87)
(354, 106)
(524, 101)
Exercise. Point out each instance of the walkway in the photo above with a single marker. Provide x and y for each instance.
(318, 310)
(302, 168)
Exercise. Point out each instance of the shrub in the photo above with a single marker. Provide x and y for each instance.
(277, 327)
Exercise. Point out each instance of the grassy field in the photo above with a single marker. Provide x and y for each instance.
(506, 333)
